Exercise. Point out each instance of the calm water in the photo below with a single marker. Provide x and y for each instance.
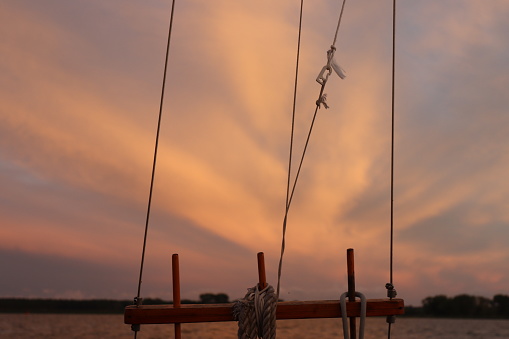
(111, 326)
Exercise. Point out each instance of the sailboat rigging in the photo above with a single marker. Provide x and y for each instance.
(250, 307)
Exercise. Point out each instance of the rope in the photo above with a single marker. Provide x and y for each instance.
(137, 299)
(288, 196)
(320, 101)
(256, 313)
(391, 292)
(392, 136)
(339, 22)
(344, 315)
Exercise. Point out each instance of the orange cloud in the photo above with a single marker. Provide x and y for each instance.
(78, 114)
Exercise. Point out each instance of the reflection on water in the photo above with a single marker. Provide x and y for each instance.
(87, 326)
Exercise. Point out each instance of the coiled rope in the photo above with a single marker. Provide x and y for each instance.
(256, 313)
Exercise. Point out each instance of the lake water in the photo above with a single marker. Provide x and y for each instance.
(57, 326)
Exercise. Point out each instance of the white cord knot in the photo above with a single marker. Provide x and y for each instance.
(322, 101)
(256, 313)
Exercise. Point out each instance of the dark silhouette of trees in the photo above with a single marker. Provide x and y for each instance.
(438, 305)
(210, 298)
(19, 305)
(463, 305)
(23, 305)
(466, 306)
(501, 304)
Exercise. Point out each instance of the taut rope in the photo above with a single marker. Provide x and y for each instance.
(391, 292)
(288, 194)
(137, 299)
(322, 80)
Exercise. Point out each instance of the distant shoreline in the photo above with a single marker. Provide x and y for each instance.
(92, 306)
(72, 306)
(440, 306)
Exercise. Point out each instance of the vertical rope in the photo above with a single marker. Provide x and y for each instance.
(155, 153)
(392, 138)
(390, 320)
(288, 196)
(289, 193)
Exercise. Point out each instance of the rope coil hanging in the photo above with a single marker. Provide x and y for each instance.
(256, 313)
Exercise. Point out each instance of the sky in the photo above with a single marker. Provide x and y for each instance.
(80, 87)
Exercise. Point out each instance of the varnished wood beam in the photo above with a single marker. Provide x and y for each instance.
(196, 313)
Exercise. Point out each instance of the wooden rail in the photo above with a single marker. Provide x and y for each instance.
(195, 313)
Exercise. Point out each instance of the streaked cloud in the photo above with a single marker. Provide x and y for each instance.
(79, 98)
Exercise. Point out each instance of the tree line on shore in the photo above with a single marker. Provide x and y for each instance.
(463, 305)
(24, 305)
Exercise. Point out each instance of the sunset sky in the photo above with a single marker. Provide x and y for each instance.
(79, 97)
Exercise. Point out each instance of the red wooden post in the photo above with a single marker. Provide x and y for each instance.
(262, 278)
(351, 288)
(176, 289)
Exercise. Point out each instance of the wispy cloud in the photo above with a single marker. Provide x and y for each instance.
(79, 99)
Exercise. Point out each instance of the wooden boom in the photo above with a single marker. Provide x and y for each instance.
(194, 313)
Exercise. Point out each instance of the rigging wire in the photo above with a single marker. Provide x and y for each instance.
(288, 197)
(391, 250)
(137, 299)
(289, 194)
(392, 141)
(339, 22)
